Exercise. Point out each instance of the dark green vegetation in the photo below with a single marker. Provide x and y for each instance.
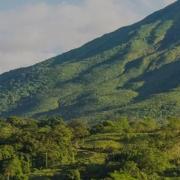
(133, 71)
(110, 150)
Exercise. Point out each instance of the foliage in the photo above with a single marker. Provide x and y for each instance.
(34, 144)
(121, 149)
(132, 71)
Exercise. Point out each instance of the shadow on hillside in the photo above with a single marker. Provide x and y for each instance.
(159, 80)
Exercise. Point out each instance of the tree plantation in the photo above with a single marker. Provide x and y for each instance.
(112, 150)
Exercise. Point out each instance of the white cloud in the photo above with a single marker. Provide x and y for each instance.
(36, 32)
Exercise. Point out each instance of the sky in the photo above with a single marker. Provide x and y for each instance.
(35, 30)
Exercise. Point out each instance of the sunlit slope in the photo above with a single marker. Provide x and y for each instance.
(132, 71)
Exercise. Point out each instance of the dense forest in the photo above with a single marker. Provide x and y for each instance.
(108, 110)
(133, 71)
(122, 149)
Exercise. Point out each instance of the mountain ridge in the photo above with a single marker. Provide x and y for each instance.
(121, 73)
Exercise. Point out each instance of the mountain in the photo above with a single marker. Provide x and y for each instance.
(133, 71)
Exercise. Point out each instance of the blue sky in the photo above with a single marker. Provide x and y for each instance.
(34, 30)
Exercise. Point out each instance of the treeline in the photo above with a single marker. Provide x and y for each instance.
(144, 149)
(26, 144)
(150, 150)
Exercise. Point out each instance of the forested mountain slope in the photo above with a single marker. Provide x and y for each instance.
(132, 71)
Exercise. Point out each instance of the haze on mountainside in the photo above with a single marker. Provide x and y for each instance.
(133, 71)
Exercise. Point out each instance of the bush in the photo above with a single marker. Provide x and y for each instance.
(121, 176)
(73, 175)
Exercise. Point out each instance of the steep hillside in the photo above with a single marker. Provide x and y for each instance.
(133, 71)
